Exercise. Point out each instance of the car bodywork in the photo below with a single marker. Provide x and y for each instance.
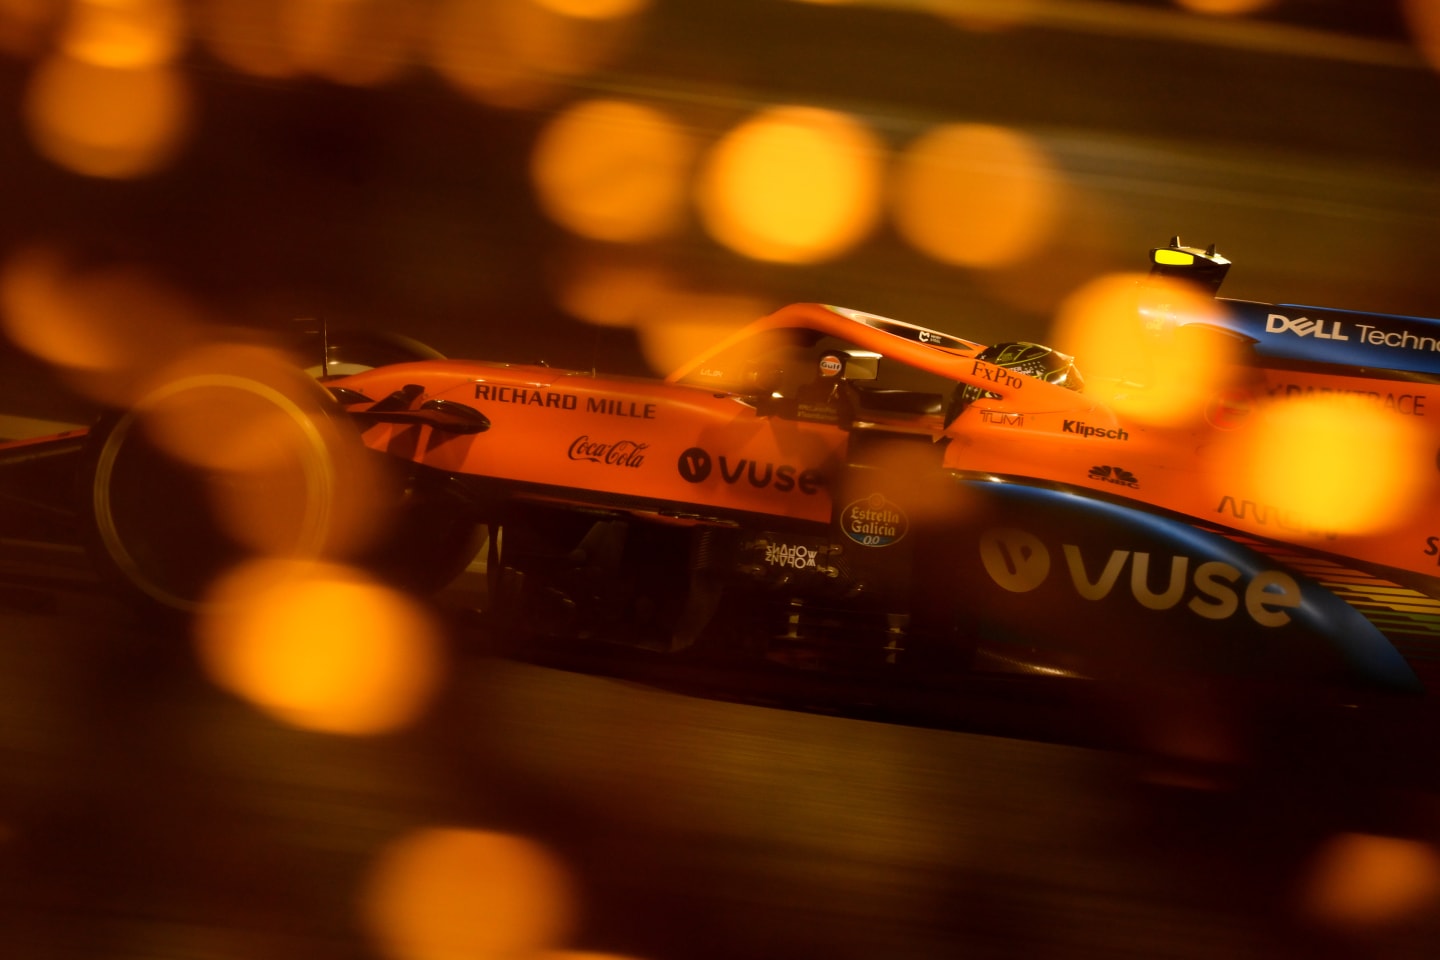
(831, 489)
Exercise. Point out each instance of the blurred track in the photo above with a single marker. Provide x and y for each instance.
(144, 813)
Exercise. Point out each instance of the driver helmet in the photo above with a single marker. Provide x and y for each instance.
(1032, 360)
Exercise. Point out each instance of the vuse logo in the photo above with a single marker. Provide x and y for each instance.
(1018, 561)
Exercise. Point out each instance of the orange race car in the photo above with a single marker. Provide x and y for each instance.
(831, 489)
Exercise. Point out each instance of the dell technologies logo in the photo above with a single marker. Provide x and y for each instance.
(1305, 327)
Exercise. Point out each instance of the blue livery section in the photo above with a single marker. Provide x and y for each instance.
(1285, 331)
(1125, 591)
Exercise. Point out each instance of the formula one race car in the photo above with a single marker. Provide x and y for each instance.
(830, 489)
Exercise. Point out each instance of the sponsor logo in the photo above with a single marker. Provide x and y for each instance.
(995, 374)
(526, 396)
(1409, 404)
(618, 453)
(620, 408)
(1003, 418)
(874, 521)
(1087, 431)
(925, 336)
(831, 366)
(1229, 409)
(1367, 333)
(1305, 327)
(1397, 339)
(1432, 549)
(696, 466)
(1018, 561)
(1268, 516)
(1115, 475)
(792, 558)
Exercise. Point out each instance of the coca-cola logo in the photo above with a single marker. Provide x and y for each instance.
(614, 453)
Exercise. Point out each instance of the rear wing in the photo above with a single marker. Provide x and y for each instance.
(1296, 334)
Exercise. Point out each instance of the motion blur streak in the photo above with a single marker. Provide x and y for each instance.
(26, 24)
(105, 121)
(1105, 18)
(125, 33)
(668, 342)
(320, 647)
(444, 893)
(1225, 8)
(246, 35)
(613, 170)
(1364, 881)
(1137, 357)
(975, 196)
(103, 330)
(793, 184)
(609, 290)
(1423, 18)
(358, 42)
(595, 9)
(510, 53)
(1338, 463)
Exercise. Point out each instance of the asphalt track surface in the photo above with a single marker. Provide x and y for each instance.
(143, 812)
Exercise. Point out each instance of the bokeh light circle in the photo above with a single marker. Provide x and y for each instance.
(320, 646)
(451, 893)
(792, 185)
(613, 170)
(974, 195)
(125, 33)
(1366, 881)
(106, 121)
(1144, 346)
(1338, 463)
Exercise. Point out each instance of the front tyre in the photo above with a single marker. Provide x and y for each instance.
(232, 454)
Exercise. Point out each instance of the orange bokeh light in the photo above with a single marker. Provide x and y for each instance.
(247, 35)
(682, 325)
(106, 121)
(793, 185)
(510, 53)
(104, 330)
(1361, 880)
(359, 42)
(1144, 348)
(125, 33)
(320, 647)
(611, 291)
(442, 893)
(613, 170)
(1339, 464)
(975, 195)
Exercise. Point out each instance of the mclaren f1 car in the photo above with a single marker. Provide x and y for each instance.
(831, 489)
